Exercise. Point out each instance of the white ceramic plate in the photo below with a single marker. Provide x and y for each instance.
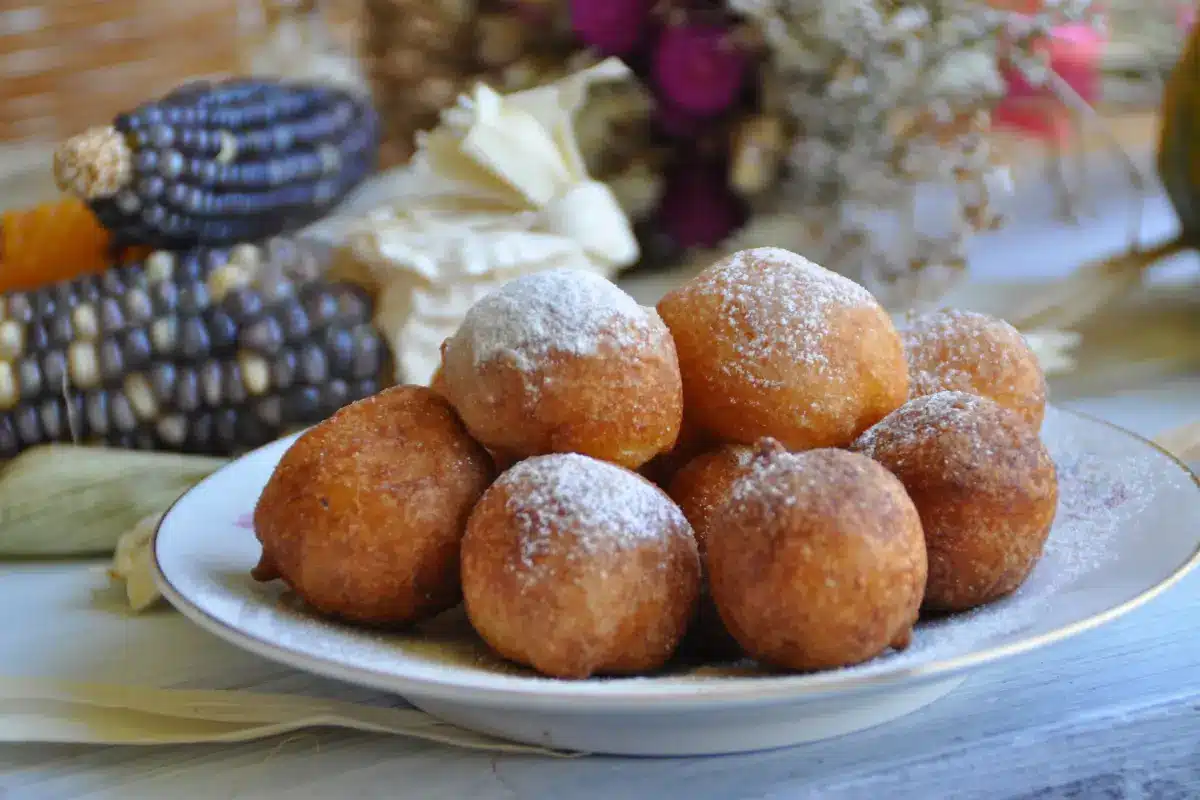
(1128, 526)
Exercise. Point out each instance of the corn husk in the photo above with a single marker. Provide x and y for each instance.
(498, 190)
(65, 500)
(132, 566)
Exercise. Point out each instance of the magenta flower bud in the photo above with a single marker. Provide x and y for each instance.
(699, 69)
(698, 208)
(677, 123)
(614, 27)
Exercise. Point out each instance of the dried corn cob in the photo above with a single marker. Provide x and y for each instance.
(208, 351)
(217, 164)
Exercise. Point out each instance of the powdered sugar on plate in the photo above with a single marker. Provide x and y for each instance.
(561, 310)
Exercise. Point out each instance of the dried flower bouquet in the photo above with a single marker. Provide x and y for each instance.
(821, 126)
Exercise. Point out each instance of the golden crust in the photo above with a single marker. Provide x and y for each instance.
(578, 607)
(365, 512)
(699, 489)
(965, 351)
(811, 377)
(691, 442)
(622, 405)
(818, 560)
(985, 486)
(704, 484)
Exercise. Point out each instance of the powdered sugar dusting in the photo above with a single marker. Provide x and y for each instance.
(562, 310)
(782, 302)
(603, 507)
(769, 477)
(776, 479)
(944, 416)
(954, 349)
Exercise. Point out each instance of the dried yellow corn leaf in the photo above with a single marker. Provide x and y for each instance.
(66, 500)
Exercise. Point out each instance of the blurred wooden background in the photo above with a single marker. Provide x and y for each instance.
(68, 64)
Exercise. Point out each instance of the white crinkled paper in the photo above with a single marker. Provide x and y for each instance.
(498, 190)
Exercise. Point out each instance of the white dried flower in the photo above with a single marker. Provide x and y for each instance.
(888, 96)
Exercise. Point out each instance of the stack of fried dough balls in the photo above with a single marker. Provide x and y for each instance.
(804, 514)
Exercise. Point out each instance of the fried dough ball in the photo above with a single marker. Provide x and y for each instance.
(692, 442)
(699, 489)
(817, 559)
(771, 344)
(364, 513)
(965, 351)
(564, 361)
(704, 484)
(575, 567)
(501, 461)
(984, 484)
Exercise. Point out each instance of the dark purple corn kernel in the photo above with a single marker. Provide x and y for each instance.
(10, 443)
(43, 304)
(95, 411)
(302, 404)
(200, 434)
(53, 416)
(194, 341)
(111, 362)
(339, 345)
(187, 390)
(163, 382)
(36, 337)
(136, 348)
(111, 284)
(222, 330)
(29, 377)
(28, 425)
(165, 297)
(61, 331)
(264, 336)
(54, 368)
(283, 369)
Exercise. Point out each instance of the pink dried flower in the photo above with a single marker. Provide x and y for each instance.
(698, 208)
(698, 68)
(614, 27)
(677, 123)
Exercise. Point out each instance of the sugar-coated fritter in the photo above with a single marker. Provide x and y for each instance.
(577, 567)
(771, 344)
(364, 515)
(965, 351)
(699, 489)
(817, 559)
(984, 484)
(563, 361)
